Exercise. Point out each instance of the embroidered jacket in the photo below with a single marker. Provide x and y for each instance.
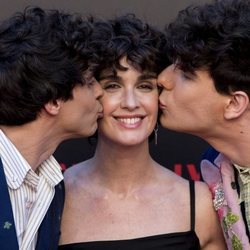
(218, 173)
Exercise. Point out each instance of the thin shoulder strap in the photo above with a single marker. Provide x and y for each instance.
(192, 203)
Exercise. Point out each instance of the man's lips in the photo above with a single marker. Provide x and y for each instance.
(162, 106)
(100, 113)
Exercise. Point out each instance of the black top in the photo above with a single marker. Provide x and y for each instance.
(172, 241)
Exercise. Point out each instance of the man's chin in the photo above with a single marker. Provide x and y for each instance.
(93, 129)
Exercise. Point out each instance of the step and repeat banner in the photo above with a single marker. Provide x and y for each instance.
(178, 152)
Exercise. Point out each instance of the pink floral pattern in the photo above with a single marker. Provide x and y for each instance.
(219, 176)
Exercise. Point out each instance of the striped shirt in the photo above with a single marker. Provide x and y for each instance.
(30, 192)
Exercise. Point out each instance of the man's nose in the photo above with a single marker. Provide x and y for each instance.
(164, 79)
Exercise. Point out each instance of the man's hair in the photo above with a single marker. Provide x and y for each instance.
(140, 43)
(43, 55)
(213, 37)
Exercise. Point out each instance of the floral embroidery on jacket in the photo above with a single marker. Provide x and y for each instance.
(226, 220)
(236, 243)
(227, 223)
(219, 177)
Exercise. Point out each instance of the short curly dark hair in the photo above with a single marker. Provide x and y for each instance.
(142, 44)
(130, 37)
(43, 55)
(213, 37)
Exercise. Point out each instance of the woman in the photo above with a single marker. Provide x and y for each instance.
(121, 198)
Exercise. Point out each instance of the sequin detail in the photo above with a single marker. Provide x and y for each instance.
(219, 196)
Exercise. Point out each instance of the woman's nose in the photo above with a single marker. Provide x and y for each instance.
(129, 100)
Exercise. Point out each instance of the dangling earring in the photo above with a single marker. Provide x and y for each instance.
(156, 131)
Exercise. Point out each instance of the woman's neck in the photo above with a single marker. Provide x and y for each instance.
(122, 168)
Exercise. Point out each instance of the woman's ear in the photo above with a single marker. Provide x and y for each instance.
(53, 107)
(237, 105)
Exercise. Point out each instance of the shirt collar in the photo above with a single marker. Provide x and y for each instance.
(244, 173)
(16, 167)
(51, 170)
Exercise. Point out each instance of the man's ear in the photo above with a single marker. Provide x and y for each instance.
(53, 107)
(237, 104)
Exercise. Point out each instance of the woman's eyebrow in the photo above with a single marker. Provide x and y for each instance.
(147, 76)
(109, 77)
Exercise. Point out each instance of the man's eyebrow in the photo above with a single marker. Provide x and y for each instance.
(188, 72)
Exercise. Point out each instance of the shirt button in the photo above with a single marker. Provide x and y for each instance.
(28, 204)
(233, 185)
(14, 178)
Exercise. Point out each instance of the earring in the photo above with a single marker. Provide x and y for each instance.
(155, 132)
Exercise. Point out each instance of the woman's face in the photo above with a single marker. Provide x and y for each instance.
(130, 105)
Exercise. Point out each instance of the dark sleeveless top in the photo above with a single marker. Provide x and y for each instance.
(171, 241)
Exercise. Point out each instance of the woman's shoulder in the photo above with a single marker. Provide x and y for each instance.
(76, 174)
(203, 193)
(205, 212)
(169, 176)
(207, 222)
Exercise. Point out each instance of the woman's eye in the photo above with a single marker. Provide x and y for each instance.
(146, 86)
(110, 86)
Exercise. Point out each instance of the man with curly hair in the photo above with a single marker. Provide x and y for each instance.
(206, 92)
(47, 94)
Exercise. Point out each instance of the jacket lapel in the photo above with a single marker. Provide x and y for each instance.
(8, 238)
(49, 231)
(233, 221)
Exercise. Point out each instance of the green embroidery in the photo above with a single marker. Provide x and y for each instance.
(227, 223)
(7, 225)
(236, 243)
(230, 219)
